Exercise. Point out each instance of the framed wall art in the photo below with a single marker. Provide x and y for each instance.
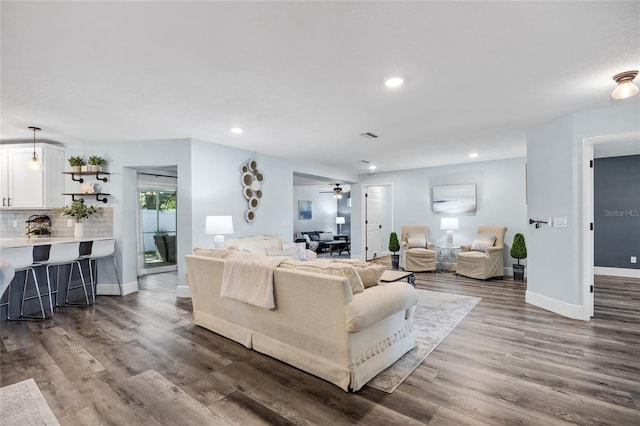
(305, 211)
(454, 198)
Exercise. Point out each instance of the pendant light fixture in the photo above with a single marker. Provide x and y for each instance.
(34, 164)
(626, 88)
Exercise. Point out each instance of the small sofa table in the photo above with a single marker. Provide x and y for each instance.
(390, 276)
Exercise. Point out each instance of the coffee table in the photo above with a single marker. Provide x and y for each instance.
(338, 246)
(390, 276)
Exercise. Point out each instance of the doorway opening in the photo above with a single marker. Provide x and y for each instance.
(613, 145)
(157, 223)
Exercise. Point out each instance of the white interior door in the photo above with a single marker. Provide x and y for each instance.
(373, 246)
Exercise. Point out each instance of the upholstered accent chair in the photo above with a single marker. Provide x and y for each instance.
(416, 252)
(483, 259)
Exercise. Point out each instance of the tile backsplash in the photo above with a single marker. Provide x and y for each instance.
(96, 226)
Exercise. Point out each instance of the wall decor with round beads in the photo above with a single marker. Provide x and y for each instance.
(252, 179)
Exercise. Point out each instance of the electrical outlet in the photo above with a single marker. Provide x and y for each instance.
(69, 223)
(15, 223)
(633, 259)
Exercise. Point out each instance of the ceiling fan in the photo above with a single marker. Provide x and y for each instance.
(337, 191)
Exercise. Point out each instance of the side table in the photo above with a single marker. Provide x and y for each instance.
(390, 276)
(446, 258)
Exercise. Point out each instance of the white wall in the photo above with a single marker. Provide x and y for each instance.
(324, 209)
(500, 199)
(208, 184)
(123, 158)
(555, 157)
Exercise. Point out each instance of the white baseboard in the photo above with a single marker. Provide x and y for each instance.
(111, 289)
(561, 308)
(183, 291)
(617, 272)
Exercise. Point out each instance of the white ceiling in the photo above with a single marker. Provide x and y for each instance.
(304, 79)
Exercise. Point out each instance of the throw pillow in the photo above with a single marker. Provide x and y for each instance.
(482, 242)
(289, 251)
(220, 253)
(302, 253)
(329, 268)
(370, 274)
(416, 240)
(326, 236)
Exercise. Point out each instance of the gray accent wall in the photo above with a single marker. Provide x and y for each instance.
(617, 211)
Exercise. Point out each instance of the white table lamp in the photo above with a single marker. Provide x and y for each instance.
(449, 224)
(218, 226)
(340, 222)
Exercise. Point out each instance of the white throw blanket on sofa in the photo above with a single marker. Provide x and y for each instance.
(249, 279)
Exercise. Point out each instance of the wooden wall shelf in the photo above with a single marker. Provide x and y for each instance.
(81, 180)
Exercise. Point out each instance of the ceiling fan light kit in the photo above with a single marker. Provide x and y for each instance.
(337, 192)
(626, 87)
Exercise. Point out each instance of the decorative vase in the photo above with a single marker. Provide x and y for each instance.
(78, 231)
(395, 261)
(518, 273)
(84, 168)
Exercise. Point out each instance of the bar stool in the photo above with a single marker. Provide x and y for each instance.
(61, 255)
(21, 259)
(100, 249)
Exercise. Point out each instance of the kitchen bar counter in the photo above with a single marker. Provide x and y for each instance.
(24, 241)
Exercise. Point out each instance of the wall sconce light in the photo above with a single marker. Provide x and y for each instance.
(626, 88)
(449, 224)
(34, 164)
(340, 221)
(218, 226)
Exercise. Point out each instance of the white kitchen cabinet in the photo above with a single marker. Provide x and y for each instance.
(23, 187)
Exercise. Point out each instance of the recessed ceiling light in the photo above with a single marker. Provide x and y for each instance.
(237, 130)
(393, 82)
(473, 155)
(372, 167)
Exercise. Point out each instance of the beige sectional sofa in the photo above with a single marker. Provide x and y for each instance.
(324, 322)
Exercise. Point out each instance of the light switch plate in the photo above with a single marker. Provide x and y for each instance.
(560, 222)
(633, 259)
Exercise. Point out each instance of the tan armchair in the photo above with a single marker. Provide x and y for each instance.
(417, 259)
(487, 264)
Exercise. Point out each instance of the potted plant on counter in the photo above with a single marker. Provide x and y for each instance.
(79, 211)
(518, 251)
(76, 163)
(96, 162)
(394, 247)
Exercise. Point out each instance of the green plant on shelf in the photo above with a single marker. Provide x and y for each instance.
(75, 161)
(96, 160)
(79, 211)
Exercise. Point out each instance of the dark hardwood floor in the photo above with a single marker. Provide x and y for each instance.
(138, 360)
